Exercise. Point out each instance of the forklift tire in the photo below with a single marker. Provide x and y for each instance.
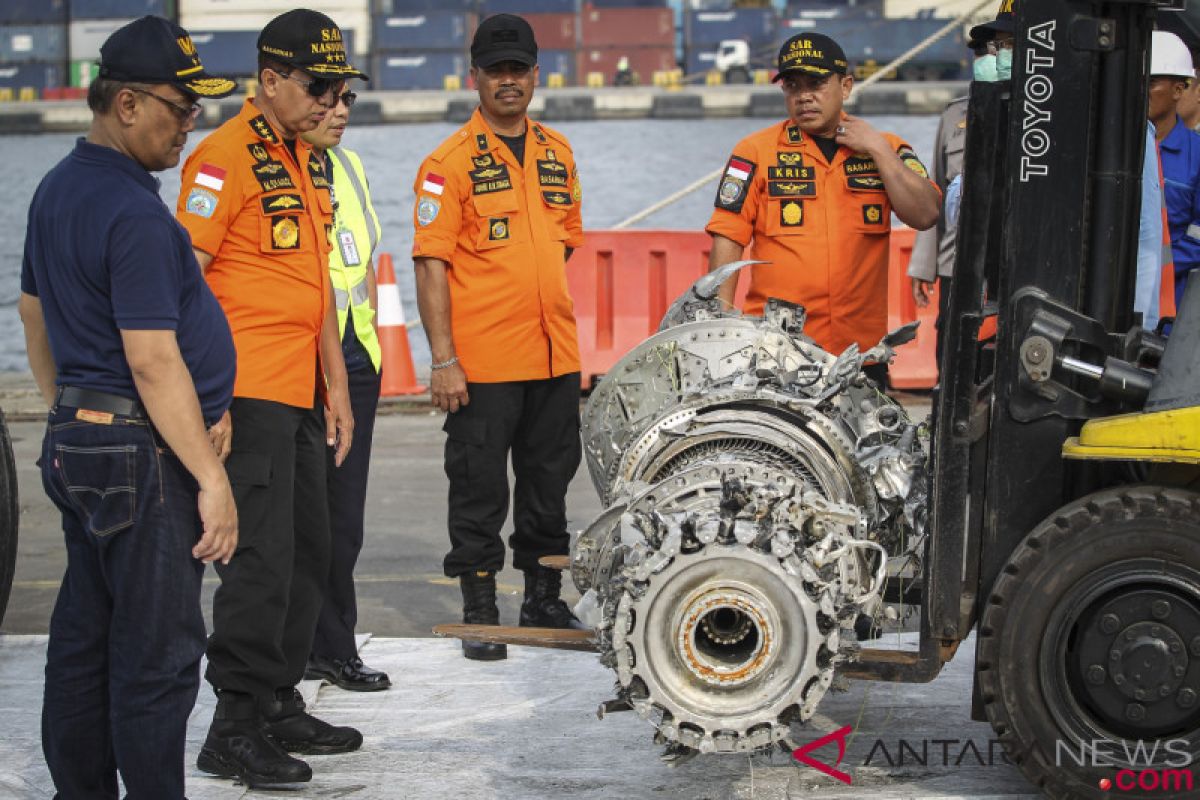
(1092, 632)
(9, 515)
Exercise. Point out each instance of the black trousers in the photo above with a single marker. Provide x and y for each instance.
(347, 494)
(538, 422)
(265, 610)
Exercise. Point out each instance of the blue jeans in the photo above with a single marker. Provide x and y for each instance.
(126, 636)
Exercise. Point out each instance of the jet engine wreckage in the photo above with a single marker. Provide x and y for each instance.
(755, 488)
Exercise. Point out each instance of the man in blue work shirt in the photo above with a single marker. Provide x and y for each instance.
(132, 353)
(1170, 71)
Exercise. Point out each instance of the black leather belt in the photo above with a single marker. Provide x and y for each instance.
(91, 400)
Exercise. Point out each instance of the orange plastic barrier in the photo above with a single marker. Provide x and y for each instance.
(622, 283)
(399, 377)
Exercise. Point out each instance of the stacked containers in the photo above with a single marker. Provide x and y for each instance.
(883, 40)
(33, 46)
(646, 36)
(705, 30)
(557, 36)
(420, 49)
(225, 32)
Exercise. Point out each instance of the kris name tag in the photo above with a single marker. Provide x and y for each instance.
(350, 255)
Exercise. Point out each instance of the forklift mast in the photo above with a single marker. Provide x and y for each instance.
(1047, 246)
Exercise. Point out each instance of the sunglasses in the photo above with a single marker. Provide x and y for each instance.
(316, 87)
(348, 98)
(184, 114)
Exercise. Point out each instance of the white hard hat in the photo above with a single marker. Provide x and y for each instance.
(1170, 56)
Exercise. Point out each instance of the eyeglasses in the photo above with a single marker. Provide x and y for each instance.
(316, 87)
(184, 114)
(348, 98)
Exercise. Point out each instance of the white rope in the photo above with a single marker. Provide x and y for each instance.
(903, 59)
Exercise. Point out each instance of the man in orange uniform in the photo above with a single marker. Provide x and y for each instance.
(258, 208)
(497, 216)
(814, 195)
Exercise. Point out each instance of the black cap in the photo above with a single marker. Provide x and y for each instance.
(310, 41)
(1005, 22)
(503, 37)
(813, 53)
(155, 50)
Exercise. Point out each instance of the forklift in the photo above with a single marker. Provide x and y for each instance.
(1065, 452)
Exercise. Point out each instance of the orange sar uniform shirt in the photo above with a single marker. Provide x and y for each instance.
(264, 216)
(503, 229)
(824, 226)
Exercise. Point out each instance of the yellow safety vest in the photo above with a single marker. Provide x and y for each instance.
(355, 235)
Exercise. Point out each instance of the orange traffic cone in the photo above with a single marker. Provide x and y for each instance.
(399, 377)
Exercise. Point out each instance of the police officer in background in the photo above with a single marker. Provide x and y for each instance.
(259, 211)
(497, 216)
(131, 351)
(355, 233)
(814, 195)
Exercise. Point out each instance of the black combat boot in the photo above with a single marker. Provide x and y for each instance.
(479, 608)
(297, 731)
(237, 747)
(542, 607)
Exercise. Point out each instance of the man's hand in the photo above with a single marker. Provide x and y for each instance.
(922, 291)
(221, 436)
(857, 134)
(449, 388)
(218, 516)
(339, 424)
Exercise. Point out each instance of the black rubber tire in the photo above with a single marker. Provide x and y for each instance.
(737, 75)
(9, 515)
(1089, 546)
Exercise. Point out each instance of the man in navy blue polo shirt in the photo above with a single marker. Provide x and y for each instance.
(134, 356)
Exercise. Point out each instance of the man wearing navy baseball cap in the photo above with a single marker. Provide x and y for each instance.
(132, 353)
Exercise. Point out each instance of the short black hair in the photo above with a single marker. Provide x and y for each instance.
(266, 61)
(101, 93)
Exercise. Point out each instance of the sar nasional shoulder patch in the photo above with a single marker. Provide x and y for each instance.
(427, 210)
(201, 202)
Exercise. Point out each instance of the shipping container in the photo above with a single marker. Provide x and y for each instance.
(522, 7)
(557, 61)
(625, 3)
(416, 69)
(432, 30)
(554, 31)
(355, 25)
(939, 8)
(415, 6)
(227, 53)
(32, 12)
(884, 40)
(121, 9)
(85, 36)
(700, 60)
(82, 73)
(644, 61)
(754, 25)
(836, 12)
(608, 27)
(31, 75)
(22, 43)
(195, 8)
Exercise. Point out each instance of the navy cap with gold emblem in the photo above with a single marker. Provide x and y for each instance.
(309, 41)
(1005, 22)
(155, 50)
(503, 37)
(813, 53)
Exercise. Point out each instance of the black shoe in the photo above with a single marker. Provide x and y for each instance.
(349, 674)
(542, 607)
(297, 731)
(236, 747)
(479, 608)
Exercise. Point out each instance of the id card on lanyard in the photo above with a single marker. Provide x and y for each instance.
(350, 256)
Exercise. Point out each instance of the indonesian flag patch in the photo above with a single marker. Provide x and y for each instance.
(433, 184)
(739, 169)
(211, 176)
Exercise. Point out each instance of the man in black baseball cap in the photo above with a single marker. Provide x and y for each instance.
(1005, 23)
(813, 53)
(310, 41)
(503, 37)
(133, 355)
